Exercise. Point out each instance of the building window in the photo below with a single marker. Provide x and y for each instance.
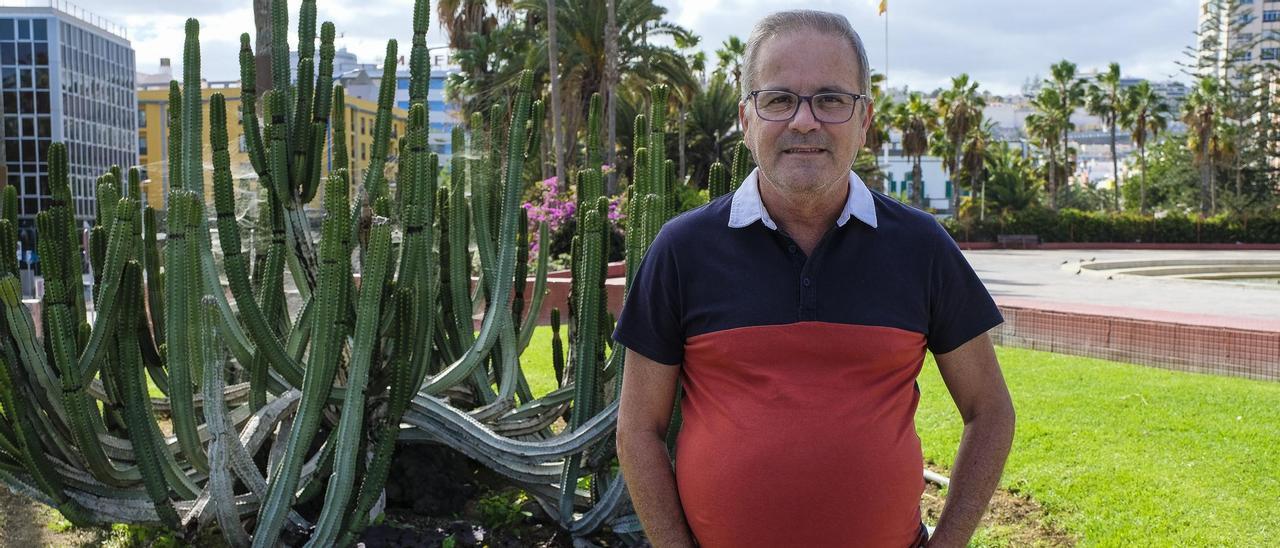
(1270, 54)
(1270, 16)
(362, 125)
(142, 118)
(363, 156)
(402, 83)
(244, 145)
(142, 146)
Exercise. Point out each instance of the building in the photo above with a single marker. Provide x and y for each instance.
(68, 76)
(1237, 34)
(153, 148)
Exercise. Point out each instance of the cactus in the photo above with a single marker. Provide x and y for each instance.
(394, 356)
(742, 165)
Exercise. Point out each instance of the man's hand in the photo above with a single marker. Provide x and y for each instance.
(648, 394)
(973, 377)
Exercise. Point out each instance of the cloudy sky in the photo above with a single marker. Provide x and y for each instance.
(1001, 43)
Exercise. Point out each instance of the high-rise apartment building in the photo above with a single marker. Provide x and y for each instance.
(65, 75)
(1235, 34)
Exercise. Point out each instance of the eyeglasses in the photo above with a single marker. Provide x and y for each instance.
(782, 106)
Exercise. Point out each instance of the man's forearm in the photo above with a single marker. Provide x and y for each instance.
(979, 462)
(652, 485)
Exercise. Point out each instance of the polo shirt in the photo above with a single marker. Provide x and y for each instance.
(799, 371)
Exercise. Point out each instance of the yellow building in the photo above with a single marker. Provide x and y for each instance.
(153, 142)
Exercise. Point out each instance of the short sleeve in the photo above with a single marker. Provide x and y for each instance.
(960, 307)
(650, 320)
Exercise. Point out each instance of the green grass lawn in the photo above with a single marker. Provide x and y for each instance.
(1115, 454)
(1120, 454)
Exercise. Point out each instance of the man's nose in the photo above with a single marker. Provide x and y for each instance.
(804, 120)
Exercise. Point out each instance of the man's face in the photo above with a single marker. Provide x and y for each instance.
(803, 155)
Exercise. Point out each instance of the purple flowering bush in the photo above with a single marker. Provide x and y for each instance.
(548, 203)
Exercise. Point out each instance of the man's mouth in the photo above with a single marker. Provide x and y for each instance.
(803, 150)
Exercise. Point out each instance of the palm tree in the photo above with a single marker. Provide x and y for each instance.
(973, 160)
(1103, 100)
(1202, 112)
(960, 109)
(709, 123)
(1012, 183)
(581, 44)
(1145, 115)
(877, 136)
(1045, 127)
(1062, 77)
(729, 58)
(461, 19)
(915, 119)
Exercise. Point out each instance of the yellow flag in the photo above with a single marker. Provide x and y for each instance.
(884, 6)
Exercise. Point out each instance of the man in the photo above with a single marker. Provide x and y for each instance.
(796, 313)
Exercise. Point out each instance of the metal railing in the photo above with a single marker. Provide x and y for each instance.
(67, 8)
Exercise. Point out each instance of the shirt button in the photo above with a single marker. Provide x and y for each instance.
(791, 248)
(805, 282)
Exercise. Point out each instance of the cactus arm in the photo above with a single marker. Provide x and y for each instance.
(179, 284)
(235, 263)
(318, 380)
(717, 181)
(387, 429)
(539, 287)
(300, 135)
(20, 413)
(155, 284)
(249, 107)
(353, 410)
(741, 165)
(221, 483)
(121, 246)
(280, 48)
(499, 305)
(374, 180)
(137, 405)
(82, 413)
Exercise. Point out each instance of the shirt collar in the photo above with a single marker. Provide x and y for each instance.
(747, 207)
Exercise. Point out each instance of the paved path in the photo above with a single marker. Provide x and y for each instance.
(1036, 278)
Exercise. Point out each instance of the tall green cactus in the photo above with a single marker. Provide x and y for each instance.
(410, 364)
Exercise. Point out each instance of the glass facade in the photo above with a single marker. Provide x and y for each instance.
(63, 80)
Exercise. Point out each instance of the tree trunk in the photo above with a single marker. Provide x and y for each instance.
(1142, 189)
(262, 46)
(1115, 166)
(553, 66)
(917, 183)
(611, 84)
(682, 157)
(1206, 172)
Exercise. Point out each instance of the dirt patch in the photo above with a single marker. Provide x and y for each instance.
(1011, 519)
(27, 523)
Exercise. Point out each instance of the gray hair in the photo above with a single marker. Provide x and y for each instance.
(793, 20)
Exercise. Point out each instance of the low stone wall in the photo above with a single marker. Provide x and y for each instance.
(1231, 346)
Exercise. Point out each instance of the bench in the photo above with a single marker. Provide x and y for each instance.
(1018, 241)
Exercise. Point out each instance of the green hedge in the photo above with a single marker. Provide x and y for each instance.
(1073, 225)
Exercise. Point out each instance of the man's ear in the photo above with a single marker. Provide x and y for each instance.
(742, 115)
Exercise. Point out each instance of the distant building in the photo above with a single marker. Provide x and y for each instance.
(1235, 35)
(68, 76)
(153, 131)
(364, 80)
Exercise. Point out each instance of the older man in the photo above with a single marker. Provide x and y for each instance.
(796, 313)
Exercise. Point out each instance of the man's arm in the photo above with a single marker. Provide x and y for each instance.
(973, 377)
(648, 394)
